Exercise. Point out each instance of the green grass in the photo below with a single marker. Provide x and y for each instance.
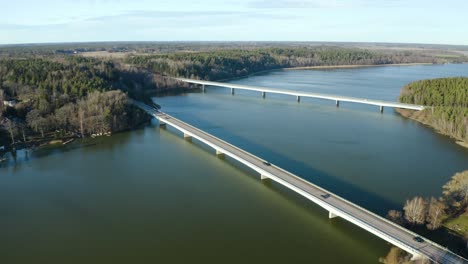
(458, 225)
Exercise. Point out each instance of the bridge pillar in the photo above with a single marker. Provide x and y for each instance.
(219, 153)
(203, 88)
(416, 257)
(337, 103)
(162, 124)
(298, 99)
(263, 177)
(381, 109)
(187, 136)
(331, 215)
(263, 94)
(232, 91)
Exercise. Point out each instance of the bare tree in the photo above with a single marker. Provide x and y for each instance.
(11, 126)
(395, 216)
(456, 190)
(395, 256)
(22, 127)
(435, 213)
(66, 116)
(415, 210)
(81, 116)
(2, 98)
(37, 122)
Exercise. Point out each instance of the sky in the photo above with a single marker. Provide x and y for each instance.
(401, 21)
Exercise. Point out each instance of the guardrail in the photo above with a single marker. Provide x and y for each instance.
(299, 94)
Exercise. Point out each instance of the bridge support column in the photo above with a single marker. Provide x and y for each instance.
(263, 94)
(337, 103)
(263, 177)
(162, 124)
(203, 88)
(232, 91)
(298, 99)
(187, 136)
(416, 257)
(381, 109)
(331, 215)
(219, 153)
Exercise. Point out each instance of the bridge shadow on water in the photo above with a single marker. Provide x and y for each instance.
(355, 194)
(352, 193)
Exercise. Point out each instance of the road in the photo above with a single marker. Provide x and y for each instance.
(337, 98)
(336, 205)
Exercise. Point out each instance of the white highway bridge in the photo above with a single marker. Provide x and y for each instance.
(335, 205)
(298, 95)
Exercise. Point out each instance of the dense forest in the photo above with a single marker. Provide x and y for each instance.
(56, 98)
(56, 91)
(224, 64)
(447, 101)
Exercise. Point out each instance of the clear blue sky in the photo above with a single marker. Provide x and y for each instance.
(415, 21)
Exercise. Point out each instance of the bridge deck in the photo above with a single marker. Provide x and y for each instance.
(336, 205)
(305, 94)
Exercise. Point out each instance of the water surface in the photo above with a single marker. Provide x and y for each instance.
(150, 196)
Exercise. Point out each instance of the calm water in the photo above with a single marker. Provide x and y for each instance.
(149, 196)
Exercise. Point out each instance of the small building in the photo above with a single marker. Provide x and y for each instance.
(11, 103)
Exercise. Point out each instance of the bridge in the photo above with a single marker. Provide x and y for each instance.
(298, 95)
(335, 205)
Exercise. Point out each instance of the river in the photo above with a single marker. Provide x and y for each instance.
(150, 196)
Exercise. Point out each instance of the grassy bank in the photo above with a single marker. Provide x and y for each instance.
(458, 225)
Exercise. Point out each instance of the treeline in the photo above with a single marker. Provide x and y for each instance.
(222, 64)
(447, 101)
(46, 84)
(64, 96)
(95, 114)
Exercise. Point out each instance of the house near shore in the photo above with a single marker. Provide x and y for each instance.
(10, 103)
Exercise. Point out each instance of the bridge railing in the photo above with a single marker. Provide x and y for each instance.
(304, 94)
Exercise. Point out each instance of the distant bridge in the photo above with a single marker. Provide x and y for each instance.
(298, 95)
(334, 204)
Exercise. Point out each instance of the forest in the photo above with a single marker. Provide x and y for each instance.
(447, 101)
(66, 97)
(57, 91)
(223, 64)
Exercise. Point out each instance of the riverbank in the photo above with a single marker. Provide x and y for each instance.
(425, 117)
(447, 108)
(354, 66)
(136, 118)
(178, 90)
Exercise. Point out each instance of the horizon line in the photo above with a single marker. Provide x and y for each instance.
(223, 41)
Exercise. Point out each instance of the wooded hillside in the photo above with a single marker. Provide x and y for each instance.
(447, 101)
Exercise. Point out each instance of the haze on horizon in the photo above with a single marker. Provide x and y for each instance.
(417, 21)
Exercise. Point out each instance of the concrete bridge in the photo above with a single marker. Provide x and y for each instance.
(298, 95)
(335, 205)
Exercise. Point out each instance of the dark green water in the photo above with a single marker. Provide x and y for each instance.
(148, 196)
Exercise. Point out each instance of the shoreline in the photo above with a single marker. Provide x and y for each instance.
(321, 67)
(409, 114)
(354, 66)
